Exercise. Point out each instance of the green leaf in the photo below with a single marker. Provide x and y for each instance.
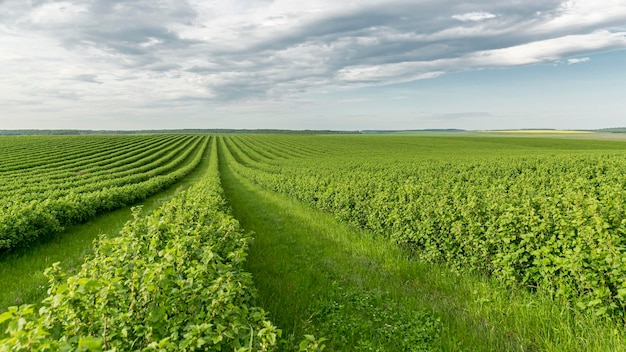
(6, 316)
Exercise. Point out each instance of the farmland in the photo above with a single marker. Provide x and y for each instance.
(371, 242)
(47, 183)
(538, 213)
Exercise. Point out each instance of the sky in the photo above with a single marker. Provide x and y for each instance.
(315, 64)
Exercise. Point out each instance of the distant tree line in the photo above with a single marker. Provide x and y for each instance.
(408, 131)
(34, 132)
(612, 130)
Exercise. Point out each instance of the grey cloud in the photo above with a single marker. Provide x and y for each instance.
(164, 67)
(250, 88)
(130, 34)
(201, 69)
(388, 34)
(136, 29)
(405, 18)
(87, 78)
(20, 102)
(383, 43)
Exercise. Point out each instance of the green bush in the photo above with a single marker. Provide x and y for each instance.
(172, 281)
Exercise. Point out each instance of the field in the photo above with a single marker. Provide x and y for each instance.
(47, 183)
(542, 132)
(419, 242)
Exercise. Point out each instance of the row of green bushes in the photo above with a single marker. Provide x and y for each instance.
(550, 222)
(171, 281)
(24, 222)
(89, 169)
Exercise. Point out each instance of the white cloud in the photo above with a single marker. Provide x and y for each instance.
(549, 49)
(174, 53)
(575, 15)
(577, 60)
(389, 73)
(150, 42)
(474, 16)
(58, 13)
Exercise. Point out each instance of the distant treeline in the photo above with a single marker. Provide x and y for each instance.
(409, 131)
(33, 132)
(612, 130)
(183, 131)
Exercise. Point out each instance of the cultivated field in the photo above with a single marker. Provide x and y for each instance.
(361, 242)
(50, 182)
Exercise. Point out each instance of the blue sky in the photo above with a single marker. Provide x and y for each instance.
(320, 64)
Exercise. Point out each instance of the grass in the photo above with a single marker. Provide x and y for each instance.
(542, 131)
(22, 270)
(311, 282)
(318, 276)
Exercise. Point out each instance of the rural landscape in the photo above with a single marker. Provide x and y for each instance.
(321, 175)
(432, 241)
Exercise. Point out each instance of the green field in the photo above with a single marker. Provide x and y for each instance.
(417, 242)
(47, 183)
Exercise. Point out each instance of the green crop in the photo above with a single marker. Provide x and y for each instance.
(172, 280)
(41, 193)
(544, 214)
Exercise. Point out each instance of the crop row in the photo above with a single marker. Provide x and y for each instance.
(171, 281)
(31, 154)
(24, 219)
(26, 152)
(87, 170)
(554, 220)
(154, 163)
(98, 161)
(76, 168)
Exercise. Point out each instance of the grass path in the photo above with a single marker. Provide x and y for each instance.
(22, 270)
(318, 276)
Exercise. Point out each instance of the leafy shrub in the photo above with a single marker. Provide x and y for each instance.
(171, 281)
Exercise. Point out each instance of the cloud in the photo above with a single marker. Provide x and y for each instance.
(474, 16)
(55, 14)
(87, 78)
(178, 52)
(549, 50)
(577, 60)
